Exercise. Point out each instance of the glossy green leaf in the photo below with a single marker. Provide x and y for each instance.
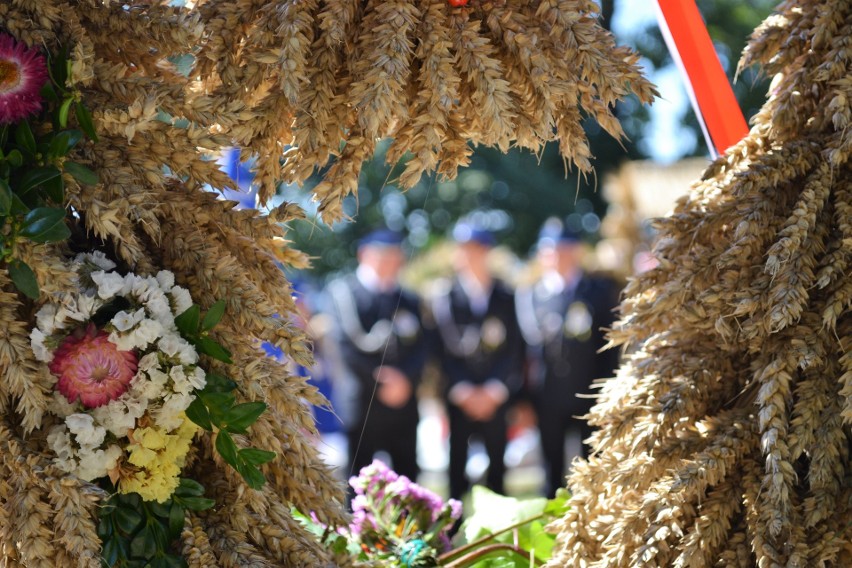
(211, 347)
(144, 544)
(197, 503)
(241, 416)
(187, 322)
(24, 137)
(254, 456)
(34, 177)
(127, 519)
(110, 552)
(55, 190)
(218, 383)
(218, 404)
(104, 528)
(18, 206)
(81, 173)
(160, 510)
(252, 475)
(5, 197)
(198, 413)
(24, 278)
(45, 225)
(63, 142)
(48, 93)
(189, 488)
(227, 448)
(64, 110)
(84, 119)
(177, 518)
(213, 315)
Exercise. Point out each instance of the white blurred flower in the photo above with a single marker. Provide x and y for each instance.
(40, 351)
(179, 380)
(147, 332)
(124, 321)
(197, 378)
(175, 346)
(181, 299)
(109, 284)
(60, 442)
(166, 280)
(45, 318)
(85, 432)
(97, 258)
(149, 361)
(97, 463)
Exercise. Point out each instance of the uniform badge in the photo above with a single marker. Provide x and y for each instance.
(578, 321)
(493, 333)
(406, 325)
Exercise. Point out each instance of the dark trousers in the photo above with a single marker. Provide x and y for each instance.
(492, 434)
(390, 430)
(553, 425)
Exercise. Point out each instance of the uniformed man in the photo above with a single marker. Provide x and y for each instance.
(382, 343)
(562, 316)
(481, 355)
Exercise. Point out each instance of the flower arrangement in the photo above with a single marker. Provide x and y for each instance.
(33, 156)
(130, 394)
(397, 523)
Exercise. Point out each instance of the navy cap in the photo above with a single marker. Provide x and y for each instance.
(382, 237)
(466, 232)
(554, 232)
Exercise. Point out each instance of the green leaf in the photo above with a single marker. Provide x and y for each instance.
(187, 322)
(55, 190)
(104, 528)
(252, 475)
(45, 225)
(144, 544)
(18, 206)
(196, 503)
(177, 518)
(219, 383)
(64, 110)
(189, 488)
(558, 506)
(48, 93)
(241, 416)
(213, 315)
(127, 519)
(218, 404)
(15, 158)
(4, 135)
(492, 512)
(24, 137)
(210, 347)
(81, 173)
(198, 413)
(160, 510)
(226, 447)
(110, 552)
(62, 143)
(24, 278)
(35, 177)
(254, 456)
(84, 118)
(5, 197)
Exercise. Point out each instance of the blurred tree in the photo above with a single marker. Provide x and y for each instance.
(516, 192)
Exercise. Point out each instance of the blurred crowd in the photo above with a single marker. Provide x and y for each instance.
(498, 347)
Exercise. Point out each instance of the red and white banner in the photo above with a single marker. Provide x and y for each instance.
(709, 90)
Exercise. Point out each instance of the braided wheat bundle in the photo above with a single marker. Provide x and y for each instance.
(724, 440)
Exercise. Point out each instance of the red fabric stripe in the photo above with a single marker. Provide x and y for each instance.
(690, 43)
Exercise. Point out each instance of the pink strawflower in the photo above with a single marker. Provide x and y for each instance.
(91, 368)
(23, 72)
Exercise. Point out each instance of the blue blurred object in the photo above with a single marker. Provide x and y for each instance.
(381, 237)
(469, 232)
(241, 173)
(554, 232)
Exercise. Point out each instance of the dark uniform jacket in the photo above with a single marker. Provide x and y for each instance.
(564, 334)
(477, 348)
(378, 329)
